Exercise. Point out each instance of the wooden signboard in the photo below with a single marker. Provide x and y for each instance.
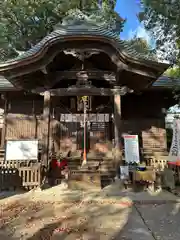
(98, 126)
(154, 138)
(21, 150)
(101, 117)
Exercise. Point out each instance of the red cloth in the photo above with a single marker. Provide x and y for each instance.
(62, 164)
(54, 163)
(177, 163)
(58, 164)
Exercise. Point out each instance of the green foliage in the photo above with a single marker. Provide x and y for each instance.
(168, 10)
(24, 23)
(162, 19)
(141, 46)
(173, 72)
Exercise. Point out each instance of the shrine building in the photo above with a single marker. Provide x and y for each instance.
(41, 92)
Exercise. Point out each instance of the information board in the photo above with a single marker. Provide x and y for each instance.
(95, 126)
(21, 150)
(131, 144)
(174, 153)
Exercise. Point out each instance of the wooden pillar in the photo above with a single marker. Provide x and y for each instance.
(4, 129)
(46, 120)
(117, 120)
(117, 129)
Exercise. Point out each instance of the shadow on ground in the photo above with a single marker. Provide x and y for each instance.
(8, 194)
(68, 215)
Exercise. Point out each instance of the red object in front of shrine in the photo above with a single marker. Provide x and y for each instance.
(176, 163)
(61, 164)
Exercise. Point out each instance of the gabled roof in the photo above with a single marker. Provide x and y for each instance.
(84, 30)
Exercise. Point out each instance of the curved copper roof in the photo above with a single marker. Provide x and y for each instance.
(65, 33)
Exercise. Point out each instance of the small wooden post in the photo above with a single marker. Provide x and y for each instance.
(46, 118)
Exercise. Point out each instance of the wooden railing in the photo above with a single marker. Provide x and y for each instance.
(18, 174)
(31, 176)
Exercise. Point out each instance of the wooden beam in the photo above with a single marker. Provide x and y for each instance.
(103, 75)
(92, 74)
(93, 91)
(76, 74)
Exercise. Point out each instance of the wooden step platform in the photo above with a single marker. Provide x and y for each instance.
(96, 179)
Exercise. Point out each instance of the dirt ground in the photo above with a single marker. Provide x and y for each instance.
(62, 214)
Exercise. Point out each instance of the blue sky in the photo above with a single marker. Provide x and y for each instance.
(129, 9)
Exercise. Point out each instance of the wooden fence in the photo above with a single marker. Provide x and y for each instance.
(18, 174)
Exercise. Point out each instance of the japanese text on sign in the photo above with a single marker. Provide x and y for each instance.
(131, 148)
(80, 117)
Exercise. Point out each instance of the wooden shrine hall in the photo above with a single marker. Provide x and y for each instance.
(41, 93)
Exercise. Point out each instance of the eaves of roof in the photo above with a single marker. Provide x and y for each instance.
(162, 82)
(166, 82)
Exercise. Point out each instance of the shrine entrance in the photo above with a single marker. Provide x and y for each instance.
(69, 123)
(98, 128)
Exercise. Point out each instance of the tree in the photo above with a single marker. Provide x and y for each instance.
(24, 23)
(141, 46)
(162, 19)
(173, 72)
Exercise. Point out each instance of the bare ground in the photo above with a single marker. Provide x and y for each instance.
(62, 214)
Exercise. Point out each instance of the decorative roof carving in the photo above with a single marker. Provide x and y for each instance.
(80, 54)
(82, 84)
(82, 76)
(87, 19)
